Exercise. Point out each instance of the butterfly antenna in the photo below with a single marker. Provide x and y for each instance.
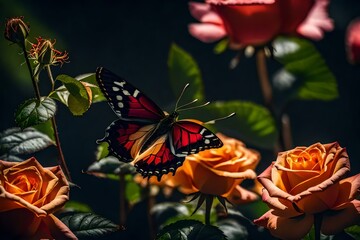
(202, 105)
(181, 94)
(222, 118)
(187, 104)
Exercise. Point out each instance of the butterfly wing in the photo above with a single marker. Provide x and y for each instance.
(169, 151)
(158, 159)
(128, 102)
(125, 138)
(189, 137)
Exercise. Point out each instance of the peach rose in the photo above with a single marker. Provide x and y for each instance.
(306, 181)
(218, 171)
(256, 22)
(29, 195)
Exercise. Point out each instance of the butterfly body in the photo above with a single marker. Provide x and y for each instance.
(155, 142)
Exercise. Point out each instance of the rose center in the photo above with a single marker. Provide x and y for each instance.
(305, 160)
(25, 183)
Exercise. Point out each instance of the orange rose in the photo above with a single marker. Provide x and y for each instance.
(29, 194)
(218, 171)
(306, 181)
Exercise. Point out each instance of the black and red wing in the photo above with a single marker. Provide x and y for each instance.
(189, 137)
(128, 102)
(125, 138)
(158, 159)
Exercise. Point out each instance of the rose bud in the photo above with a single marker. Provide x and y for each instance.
(16, 30)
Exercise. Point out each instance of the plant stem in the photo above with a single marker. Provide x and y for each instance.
(285, 139)
(150, 204)
(122, 188)
(34, 82)
(208, 205)
(264, 78)
(61, 159)
(317, 225)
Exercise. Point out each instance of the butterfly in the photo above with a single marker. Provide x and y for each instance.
(154, 141)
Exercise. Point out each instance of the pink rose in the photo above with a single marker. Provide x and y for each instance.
(353, 41)
(256, 22)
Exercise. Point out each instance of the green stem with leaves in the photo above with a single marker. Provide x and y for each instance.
(285, 140)
(61, 158)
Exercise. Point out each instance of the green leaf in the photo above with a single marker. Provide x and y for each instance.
(236, 226)
(132, 190)
(163, 212)
(33, 112)
(97, 95)
(252, 123)
(77, 206)
(190, 229)
(305, 75)
(14, 141)
(221, 46)
(80, 97)
(11, 158)
(109, 166)
(89, 225)
(183, 69)
(102, 150)
(353, 231)
(47, 129)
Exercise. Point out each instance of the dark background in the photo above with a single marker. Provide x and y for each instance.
(132, 38)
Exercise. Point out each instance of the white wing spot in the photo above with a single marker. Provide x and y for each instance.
(119, 97)
(207, 141)
(209, 136)
(126, 92)
(121, 105)
(121, 84)
(115, 89)
(202, 131)
(136, 92)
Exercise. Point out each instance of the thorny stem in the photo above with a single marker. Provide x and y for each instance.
(122, 184)
(285, 141)
(61, 158)
(34, 82)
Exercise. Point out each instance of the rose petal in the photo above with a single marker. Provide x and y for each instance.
(57, 228)
(353, 41)
(18, 223)
(59, 194)
(280, 208)
(240, 195)
(349, 189)
(265, 179)
(239, 2)
(284, 228)
(207, 32)
(203, 13)
(335, 221)
(317, 21)
(10, 201)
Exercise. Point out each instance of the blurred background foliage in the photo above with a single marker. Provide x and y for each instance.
(133, 39)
